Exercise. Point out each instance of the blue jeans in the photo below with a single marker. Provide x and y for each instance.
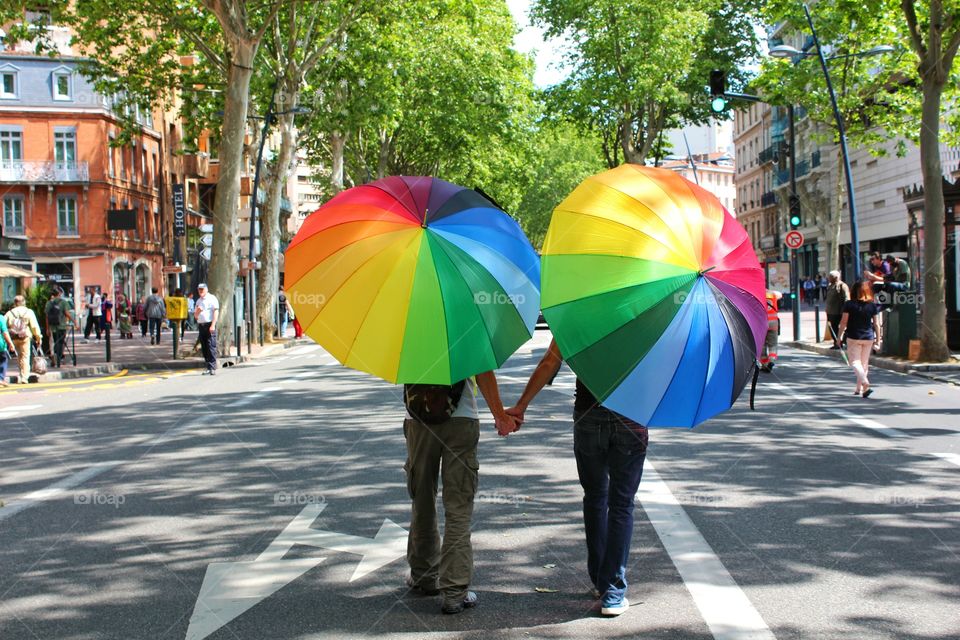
(155, 325)
(610, 451)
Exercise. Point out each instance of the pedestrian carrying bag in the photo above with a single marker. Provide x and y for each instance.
(38, 363)
(54, 315)
(432, 403)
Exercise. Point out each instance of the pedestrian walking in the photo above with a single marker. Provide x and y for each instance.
(191, 305)
(7, 350)
(59, 319)
(862, 331)
(155, 310)
(768, 355)
(442, 429)
(837, 294)
(106, 313)
(610, 450)
(808, 289)
(823, 287)
(140, 315)
(207, 312)
(817, 279)
(92, 323)
(124, 316)
(22, 325)
(284, 312)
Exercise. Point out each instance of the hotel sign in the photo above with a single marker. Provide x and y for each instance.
(179, 213)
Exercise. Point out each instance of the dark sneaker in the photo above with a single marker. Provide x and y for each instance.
(615, 608)
(423, 589)
(468, 602)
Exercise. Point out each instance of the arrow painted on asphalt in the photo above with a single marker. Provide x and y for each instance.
(231, 588)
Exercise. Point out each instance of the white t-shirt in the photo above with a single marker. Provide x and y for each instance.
(207, 304)
(94, 305)
(467, 407)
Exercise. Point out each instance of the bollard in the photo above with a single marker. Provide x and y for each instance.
(107, 342)
(176, 338)
(816, 316)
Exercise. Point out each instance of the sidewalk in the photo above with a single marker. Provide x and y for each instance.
(941, 372)
(139, 355)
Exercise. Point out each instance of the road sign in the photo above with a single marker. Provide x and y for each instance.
(205, 252)
(206, 228)
(207, 240)
(174, 268)
(793, 239)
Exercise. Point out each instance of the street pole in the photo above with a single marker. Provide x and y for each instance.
(794, 275)
(851, 200)
(252, 304)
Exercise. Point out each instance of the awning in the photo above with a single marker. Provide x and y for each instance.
(10, 271)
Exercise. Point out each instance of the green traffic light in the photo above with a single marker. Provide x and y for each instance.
(795, 221)
(718, 104)
(793, 296)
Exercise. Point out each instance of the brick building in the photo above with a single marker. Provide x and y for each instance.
(61, 172)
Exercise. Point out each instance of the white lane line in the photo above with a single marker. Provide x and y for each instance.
(949, 457)
(14, 410)
(867, 423)
(253, 397)
(56, 489)
(724, 606)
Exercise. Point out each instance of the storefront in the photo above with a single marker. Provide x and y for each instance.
(16, 269)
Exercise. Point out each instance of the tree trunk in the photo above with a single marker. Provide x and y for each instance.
(630, 152)
(933, 326)
(269, 276)
(833, 224)
(338, 143)
(383, 157)
(223, 265)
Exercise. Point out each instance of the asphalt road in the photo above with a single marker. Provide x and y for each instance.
(270, 502)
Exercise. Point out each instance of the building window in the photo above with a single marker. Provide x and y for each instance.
(62, 85)
(110, 172)
(67, 216)
(11, 148)
(13, 215)
(8, 84)
(65, 148)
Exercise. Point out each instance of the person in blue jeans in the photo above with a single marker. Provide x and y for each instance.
(610, 450)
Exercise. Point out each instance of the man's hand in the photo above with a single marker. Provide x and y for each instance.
(506, 424)
(517, 412)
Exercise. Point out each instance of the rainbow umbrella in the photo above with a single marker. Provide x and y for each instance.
(654, 295)
(414, 279)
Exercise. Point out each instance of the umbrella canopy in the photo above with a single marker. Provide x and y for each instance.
(654, 295)
(414, 279)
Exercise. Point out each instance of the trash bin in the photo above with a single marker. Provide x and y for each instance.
(899, 328)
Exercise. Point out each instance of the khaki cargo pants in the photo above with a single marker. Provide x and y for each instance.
(447, 450)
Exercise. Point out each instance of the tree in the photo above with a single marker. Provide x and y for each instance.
(300, 36)
(134, 47)
(637, 65)
(934, 36)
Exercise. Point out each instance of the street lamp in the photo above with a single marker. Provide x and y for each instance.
(785, 51)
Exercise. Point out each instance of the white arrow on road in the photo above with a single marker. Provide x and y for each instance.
(230, 588)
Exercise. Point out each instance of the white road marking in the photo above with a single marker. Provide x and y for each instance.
(873, 425)
(16, 410)
(950, 457)
(724, 606)
(230, 588)
(253, 397)
(57, 489)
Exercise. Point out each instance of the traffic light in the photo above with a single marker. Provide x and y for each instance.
(795, 219)
(718, 89)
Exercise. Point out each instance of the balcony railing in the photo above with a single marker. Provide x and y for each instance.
(768, 198)
(43, 172)
(767, 154)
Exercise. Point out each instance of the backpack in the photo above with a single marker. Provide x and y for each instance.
(54, 314)
(432, 403)
(17, 328)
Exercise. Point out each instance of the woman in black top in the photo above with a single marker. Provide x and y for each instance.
(859, 321)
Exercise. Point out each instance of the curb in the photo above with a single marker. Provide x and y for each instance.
(164, 365)
(926, 370)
